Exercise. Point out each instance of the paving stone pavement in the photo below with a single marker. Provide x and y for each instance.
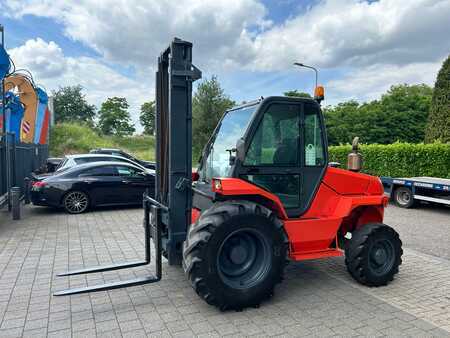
(317, 298)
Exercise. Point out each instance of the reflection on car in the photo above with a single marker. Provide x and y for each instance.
(70, 161)
(93, 184)
(121, 153)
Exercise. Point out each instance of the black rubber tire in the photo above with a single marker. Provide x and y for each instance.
(400, 199)
(70, 210)
(204, 242)
(358, 251)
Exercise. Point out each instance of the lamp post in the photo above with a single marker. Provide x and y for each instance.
(310, 67)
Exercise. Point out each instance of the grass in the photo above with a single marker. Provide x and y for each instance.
(71, 138)
(141, 146)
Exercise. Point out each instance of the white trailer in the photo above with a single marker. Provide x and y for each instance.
(405, 192)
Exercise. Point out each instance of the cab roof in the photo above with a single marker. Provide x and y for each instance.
(275, 98)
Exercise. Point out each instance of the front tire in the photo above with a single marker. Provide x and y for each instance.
(373, 254)
(75, 202)
(235, 254)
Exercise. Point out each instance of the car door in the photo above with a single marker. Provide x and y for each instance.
(102, 183)
(136, 182)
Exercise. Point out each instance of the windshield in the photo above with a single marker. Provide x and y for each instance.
(232, 127)
(61, 164)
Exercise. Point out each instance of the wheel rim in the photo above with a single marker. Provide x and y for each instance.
(76, 202)
(403, 197)
(244, 258)
(381, 257)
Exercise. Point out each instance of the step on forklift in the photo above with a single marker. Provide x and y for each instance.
(264, 194)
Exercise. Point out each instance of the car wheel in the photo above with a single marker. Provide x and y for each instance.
(76, 202)
(403, 197)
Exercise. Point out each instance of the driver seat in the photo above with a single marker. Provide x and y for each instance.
(286, 152)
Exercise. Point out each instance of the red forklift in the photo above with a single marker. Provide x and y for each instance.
(264, 194)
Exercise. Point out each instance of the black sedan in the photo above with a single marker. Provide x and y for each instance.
(93, 184)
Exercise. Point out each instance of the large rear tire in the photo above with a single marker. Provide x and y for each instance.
(235, 254)
(374, 254)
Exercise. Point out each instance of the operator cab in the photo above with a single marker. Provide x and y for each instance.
(276, 143)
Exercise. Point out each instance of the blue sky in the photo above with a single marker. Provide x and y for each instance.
(110, 47)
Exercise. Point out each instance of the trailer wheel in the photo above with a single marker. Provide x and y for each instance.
(373, 255)
(403, 197)
(235, 254)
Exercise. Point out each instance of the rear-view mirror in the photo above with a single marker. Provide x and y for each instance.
(240, 149)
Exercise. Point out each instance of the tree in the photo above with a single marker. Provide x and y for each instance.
(296, 93)
(404, 113)
(70, 105)
(208, 105)
(339, 122)
(114, 118)
(147, 117)
(400, 115)
(438, 127)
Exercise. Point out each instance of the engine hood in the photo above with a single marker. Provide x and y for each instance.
(346, 182)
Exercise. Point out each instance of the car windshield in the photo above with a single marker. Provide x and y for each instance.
(131, 157)
(232, 127)
(62, 171)
(61, 164)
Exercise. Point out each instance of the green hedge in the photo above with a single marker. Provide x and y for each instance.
(395, 160)
(399, 159)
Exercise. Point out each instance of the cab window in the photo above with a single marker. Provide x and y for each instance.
(273, 149)
(314, 150)
(276, 139)
(232, 127)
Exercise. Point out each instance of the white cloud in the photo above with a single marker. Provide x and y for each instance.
(50, 68)
(45, 59)
(371, 82)
(237, 33)
(136, 31)
(356, 33)
(378, 43)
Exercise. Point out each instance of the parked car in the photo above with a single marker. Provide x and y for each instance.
(93, 184)
(73, 160)
(119, 152)
(52, 163)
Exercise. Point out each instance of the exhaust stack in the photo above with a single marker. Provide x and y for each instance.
(354, 159)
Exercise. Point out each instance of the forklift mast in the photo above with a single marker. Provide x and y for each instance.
(166, 218)
(174, 144)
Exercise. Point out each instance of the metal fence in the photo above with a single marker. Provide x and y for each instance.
(17, 161)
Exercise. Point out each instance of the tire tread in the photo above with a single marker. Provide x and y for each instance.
(355, 251)
(202, 230)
